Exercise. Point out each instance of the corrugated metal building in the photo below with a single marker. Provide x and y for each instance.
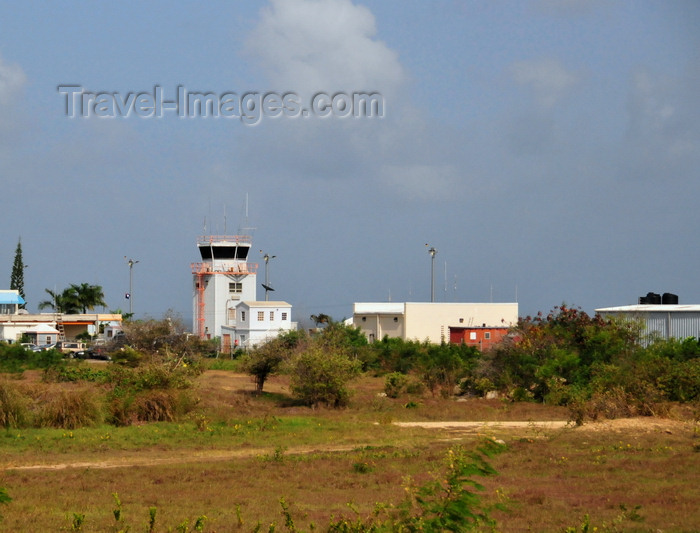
(665, 321)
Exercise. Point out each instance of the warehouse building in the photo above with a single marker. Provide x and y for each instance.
(662, 316)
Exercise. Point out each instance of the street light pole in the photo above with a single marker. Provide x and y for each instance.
(432, 251)
(267, 258)
(131, 264)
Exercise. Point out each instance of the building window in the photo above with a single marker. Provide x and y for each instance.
(364, 319)
(272, 316)
(235, 288)
(461, 321)
(472, 335)
(284, 316)
(487, 335)
(396, 319)
(242, 316)
(261, 316)
(232, 314)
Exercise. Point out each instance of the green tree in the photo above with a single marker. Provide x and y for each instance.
(17, 277)
(75, 299)
(88, 296)
(320, 376)
(61, 302)
(264, 360)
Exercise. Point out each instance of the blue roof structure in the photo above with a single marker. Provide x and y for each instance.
(11, 298)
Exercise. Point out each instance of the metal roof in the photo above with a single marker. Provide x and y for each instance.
(650, 308)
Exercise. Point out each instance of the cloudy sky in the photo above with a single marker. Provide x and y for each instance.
(549, 150)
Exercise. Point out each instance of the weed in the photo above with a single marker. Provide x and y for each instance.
(4, 498)
(362, 467)
(77, 522)
(14, 412)
(71, 409)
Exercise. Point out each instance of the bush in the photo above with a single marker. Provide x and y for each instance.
(70, 410)
(14, 411)
(395, 384)
(155, 406)
(321, 377)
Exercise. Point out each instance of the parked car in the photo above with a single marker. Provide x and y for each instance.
(96, 351)
(31, 346)
(70, 348)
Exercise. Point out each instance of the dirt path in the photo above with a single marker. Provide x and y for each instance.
(136, 459)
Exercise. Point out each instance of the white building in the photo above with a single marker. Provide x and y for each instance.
(256, 323)
(665, 321)
(225, 281)
(429, 321)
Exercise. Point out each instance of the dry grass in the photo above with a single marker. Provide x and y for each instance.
(549, 479)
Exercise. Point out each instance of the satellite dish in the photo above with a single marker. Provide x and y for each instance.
(267, 287)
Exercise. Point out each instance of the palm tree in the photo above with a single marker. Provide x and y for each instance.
(88, 296)
(75, 299)
(64, 302)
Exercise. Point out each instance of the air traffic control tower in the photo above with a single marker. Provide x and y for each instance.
(222, 280)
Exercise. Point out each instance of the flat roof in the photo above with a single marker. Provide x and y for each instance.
(650, 308)
(266, 304)
(392, 308)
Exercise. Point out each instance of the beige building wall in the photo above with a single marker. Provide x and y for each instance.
(429, 321)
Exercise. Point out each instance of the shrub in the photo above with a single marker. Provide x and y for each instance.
(395, 384)
(155, 406)
(70, 409)
(321, 377)
(14, 412)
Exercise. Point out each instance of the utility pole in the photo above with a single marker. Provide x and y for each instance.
(130, 294)
(432, 251)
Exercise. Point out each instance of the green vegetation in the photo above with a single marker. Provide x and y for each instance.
(74, 299)
(17, 276)
(175, 430)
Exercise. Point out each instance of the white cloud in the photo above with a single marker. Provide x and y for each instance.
(323, 45)
(664, 114)
(12, 79)
(547, 78)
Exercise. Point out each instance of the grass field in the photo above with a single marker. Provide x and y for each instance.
(239, 454)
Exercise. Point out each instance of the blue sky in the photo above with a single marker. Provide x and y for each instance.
(548, 149)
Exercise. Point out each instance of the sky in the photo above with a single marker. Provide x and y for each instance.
(549, 150)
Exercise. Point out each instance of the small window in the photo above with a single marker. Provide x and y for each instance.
(242, 316)
(235, 287)
(364, 319)
(284, 316)
(261, 316)
(396, 319)
(272, 316)
(487, 335)
(461, 321)
(472, 335)
(232, 313)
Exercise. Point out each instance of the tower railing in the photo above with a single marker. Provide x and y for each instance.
(238, 239)
(237, 268)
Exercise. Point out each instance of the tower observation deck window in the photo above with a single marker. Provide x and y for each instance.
(235, 288)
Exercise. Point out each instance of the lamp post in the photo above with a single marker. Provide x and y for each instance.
(266, 285)
(131, 264)
(432, 251)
